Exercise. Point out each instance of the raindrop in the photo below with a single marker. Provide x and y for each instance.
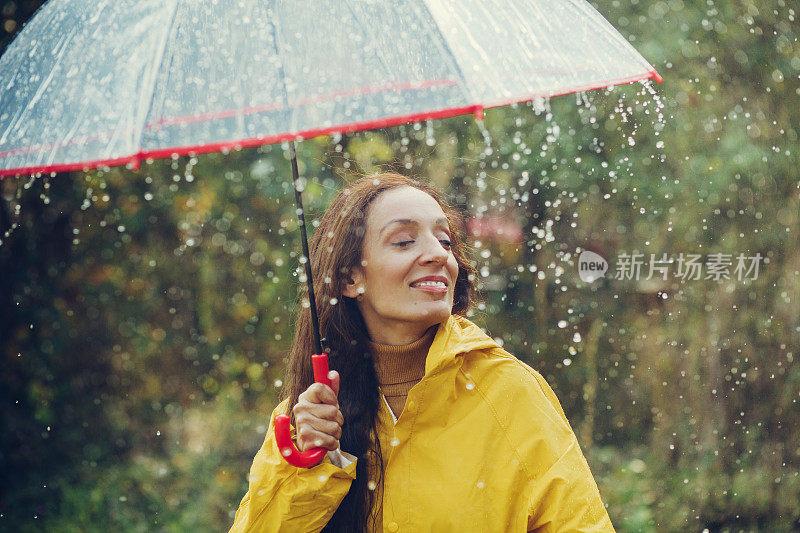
(430, 140)
(562, 324)
(540, 105)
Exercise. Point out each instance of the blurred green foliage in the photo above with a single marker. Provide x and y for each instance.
(145, 316)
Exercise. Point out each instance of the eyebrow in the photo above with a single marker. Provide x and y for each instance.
(409, 222)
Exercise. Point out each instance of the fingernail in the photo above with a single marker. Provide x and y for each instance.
(331, 374)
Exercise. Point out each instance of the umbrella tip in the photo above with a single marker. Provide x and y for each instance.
(656, 76)
(134, 163)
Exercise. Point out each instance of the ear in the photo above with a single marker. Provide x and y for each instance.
(353, 283)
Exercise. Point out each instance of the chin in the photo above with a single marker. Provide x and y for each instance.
(428, 313)
(437, 314)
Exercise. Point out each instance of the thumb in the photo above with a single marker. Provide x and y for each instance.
(333, 375)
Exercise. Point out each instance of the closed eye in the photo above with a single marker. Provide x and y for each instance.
(446, 243)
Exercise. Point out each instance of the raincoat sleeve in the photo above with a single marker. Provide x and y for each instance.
(564, 497)
(282, 497)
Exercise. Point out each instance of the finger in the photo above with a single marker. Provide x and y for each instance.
(310, 438)
(325, 412)
(318, 393)
(305, 414)
(329, 413)
(327, 427)
(333, 375)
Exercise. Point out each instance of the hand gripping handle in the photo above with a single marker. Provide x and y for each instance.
(283, 437)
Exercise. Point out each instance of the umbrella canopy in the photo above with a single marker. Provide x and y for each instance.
(107, 82)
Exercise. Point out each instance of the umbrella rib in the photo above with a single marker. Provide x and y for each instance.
(368, 27)
(609, 32)
(159, 64)
(467, 89)
(270, 11)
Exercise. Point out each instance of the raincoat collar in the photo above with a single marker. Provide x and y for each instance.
(455, 337)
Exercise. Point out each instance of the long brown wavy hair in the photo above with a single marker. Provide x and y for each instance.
(335, 250)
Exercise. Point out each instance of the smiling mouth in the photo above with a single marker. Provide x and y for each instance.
(430, 286)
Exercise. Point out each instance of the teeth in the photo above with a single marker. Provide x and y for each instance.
(429, 284)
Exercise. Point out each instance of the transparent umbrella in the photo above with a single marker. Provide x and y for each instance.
(99, 83)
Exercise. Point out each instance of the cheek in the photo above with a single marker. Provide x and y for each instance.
(452, 266)
(384, 274)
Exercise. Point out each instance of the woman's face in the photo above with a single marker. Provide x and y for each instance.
(408, 273)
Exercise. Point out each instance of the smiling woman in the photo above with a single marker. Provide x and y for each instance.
(429, 423)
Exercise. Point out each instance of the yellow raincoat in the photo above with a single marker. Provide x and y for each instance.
(482, 445)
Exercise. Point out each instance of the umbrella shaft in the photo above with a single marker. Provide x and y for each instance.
(309, 281)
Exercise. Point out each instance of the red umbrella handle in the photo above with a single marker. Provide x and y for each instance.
(283, 437)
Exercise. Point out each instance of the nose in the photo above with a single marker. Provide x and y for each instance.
(434, 251)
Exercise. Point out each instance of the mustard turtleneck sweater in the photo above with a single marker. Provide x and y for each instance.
(401, 367)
